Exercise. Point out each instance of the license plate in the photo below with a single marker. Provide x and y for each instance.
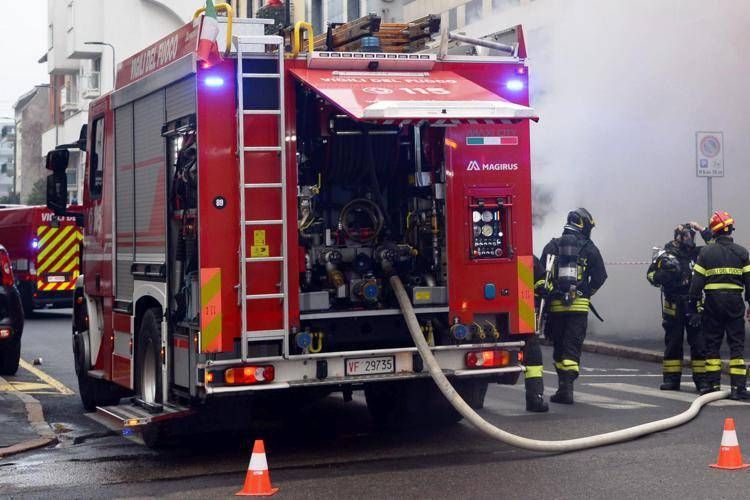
(370, 366)
(56, 278)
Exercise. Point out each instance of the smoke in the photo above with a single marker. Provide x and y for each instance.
(541, 199)
(621, 89)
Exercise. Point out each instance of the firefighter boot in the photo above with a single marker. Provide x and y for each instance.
(701, 384)
(671, 382)
(535, 395)
(739, 388)
(564, 394)
(713, 382)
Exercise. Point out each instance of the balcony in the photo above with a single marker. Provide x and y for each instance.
(91, 85)
(68, 100)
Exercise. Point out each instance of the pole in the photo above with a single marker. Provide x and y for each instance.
(709, 197)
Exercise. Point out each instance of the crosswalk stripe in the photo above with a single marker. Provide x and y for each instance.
(592, 399)
(656, 393)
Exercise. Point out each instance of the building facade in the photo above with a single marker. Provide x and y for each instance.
(32, 120)
(80, 71)
(7, 155)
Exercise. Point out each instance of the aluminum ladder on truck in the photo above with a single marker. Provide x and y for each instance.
(249, 48)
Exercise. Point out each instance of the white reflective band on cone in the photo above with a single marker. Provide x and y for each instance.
(258, 462)
(729, 438)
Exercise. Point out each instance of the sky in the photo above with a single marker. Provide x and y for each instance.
(23, 40)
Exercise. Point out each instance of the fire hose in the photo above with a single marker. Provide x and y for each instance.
(566, 445)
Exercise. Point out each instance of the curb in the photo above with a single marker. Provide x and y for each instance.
(628, 352)
(35, 415)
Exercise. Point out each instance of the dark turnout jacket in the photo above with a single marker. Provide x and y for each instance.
(722, 266)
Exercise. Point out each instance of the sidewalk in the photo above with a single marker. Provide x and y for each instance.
(22, 425)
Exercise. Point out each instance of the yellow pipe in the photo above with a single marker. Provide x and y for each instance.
(297, 42)
(230, 16)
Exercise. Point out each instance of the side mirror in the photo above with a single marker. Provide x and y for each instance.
(82, 137)
(57, 191)
(57, 160)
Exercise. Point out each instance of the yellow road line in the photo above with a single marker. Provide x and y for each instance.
(59, 386)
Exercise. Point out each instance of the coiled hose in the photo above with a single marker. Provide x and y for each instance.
(490, 430)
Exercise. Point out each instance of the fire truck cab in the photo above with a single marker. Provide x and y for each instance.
(242, 217)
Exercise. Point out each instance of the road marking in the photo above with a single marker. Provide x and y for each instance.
(657, 393)
(59, 386)
(617, 375)
(594, 400)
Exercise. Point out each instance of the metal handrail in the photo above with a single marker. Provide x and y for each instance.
(230, 16)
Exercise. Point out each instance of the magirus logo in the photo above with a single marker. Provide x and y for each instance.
(475, 166)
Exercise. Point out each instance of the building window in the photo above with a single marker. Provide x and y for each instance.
(316, 15)
(352, 10)
(473, 11)
(335, 11)
(505, 4)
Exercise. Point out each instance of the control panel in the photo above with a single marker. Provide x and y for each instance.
(490, 238)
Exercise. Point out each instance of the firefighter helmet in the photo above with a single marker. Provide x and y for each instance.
(721, 222)
(580, 220)
(670, 269)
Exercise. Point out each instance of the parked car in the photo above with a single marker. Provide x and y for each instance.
(11, 318)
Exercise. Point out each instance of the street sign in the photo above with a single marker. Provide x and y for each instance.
(709, 154)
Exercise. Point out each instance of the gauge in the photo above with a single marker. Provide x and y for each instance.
(486, 230)
(476, 216)
(486, 216)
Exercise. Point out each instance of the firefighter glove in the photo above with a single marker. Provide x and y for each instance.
(694, 319)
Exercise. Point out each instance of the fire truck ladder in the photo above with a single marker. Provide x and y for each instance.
(249, 48)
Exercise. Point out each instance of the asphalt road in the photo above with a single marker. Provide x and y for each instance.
(332, 449)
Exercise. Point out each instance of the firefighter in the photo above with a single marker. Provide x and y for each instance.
(578, 272)
(721, 273)
(671, 270)
(532, 355)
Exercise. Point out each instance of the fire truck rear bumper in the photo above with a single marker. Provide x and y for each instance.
(304, 371)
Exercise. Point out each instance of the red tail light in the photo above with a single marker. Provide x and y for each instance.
(487, 359)
(249, 375)
(5, 268)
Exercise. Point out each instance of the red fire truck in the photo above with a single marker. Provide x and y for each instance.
(242, 218)
(45, 251)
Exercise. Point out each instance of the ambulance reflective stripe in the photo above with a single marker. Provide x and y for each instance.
(58, 253)
(672, 366)
(737, 367)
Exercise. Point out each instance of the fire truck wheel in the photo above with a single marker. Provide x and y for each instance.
(94, 392)
(509, 378)
(10, 355)
(148, 364)
(397, 405)
(27, 300)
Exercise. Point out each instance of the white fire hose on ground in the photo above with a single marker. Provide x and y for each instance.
(506, 437)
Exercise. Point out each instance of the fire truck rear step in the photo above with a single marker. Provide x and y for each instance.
(133, 414)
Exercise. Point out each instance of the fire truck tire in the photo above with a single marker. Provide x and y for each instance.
(148, 384)
(508, 378)
(94, 392)
(397, 405)
(10, 356)
(27, 300)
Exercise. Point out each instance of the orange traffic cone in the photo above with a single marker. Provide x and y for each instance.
(258, 480)
(730, 456)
